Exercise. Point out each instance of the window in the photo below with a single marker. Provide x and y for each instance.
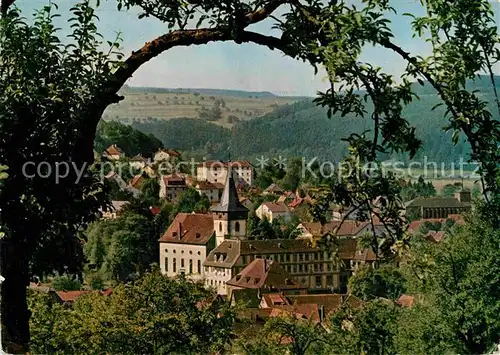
(166, 264)
(199, 266)
(301, 267)
(175, 251)
(190, 266)
(182, 262)
(220, 226)
(329, 280)
(174, 267)
(199, 253)
(237, 227)
(318, 281)
(190, 252)
(288, 257)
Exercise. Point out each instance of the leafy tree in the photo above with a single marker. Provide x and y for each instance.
(154, 315)
(65, 283)
(130, 140)
(124, 246)
(151, 191)
(44, 117)
(369, 283)
(369, 329)
(190, 201)
(427, 226)
(459, 281)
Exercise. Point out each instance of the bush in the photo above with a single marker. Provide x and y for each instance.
(65, 283)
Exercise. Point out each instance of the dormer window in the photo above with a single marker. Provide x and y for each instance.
(198, 235)
(174, 234)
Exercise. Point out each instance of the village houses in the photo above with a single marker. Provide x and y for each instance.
(216, 171)
(166, 155)
(113, 152)
(272, 211)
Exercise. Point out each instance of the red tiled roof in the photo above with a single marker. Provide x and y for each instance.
(136, 181)
(345, 228)
(300, 311)
(174, 180)
(139, 158)
(406, 301)
(113, 150)
(275, 207)
(435, 236)
(205, 185)
(264, 273)
(70, 296)
(196, 228)
(171, 152)
(155, 210)
(415, 225)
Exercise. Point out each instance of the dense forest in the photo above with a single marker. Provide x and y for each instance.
(130, 140)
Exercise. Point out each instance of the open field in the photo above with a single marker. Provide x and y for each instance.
(140, 105)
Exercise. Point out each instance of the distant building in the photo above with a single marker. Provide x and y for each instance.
(171, 186)
(310, 266)
(186, 244)
(113, 152)
(216, 171)
(272, 211)
(137, 182)
(440, 207)
(115, 209)
(266, 276)
(273, 189)
(138, 162)
(166, 155)
(212, 190)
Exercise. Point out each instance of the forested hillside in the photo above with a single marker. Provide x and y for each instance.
(130, 140)
(303, 129)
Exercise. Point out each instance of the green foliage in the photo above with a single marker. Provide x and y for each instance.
(366, 330)
(450, 189)
(125, 246)
(130, 140)
(301, 334)
(151, 191)
(191, 201)
(369, 283)
(459, 279)
(154, 315)
(419, 189)
(66, 283)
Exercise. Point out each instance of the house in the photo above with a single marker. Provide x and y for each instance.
(300, 206)
(216, 171)
(166, 155)
(272, 211)
(266, 276)
(186, 244)
(112, 176)
(414, 226)
(246, 202)
(440, 207)
(212, 190)
(171, 186)
(69, 297)
(137, 182)
(138, 162)
(308, 265)
(273, 189)
(287, 197)
(113, 152)
(115, 210)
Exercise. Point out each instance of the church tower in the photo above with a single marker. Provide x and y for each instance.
(230, 216)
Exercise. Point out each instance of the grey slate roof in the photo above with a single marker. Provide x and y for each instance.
(230, 201)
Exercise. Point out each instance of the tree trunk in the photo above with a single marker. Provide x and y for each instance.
(15, 313)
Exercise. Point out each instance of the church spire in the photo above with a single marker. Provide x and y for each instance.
(230, 203)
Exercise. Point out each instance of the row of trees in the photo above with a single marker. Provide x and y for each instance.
(455, 285)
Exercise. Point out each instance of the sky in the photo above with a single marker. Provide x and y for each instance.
(230, 66)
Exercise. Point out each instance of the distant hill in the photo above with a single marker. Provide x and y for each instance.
(303, 129)
(163, 103)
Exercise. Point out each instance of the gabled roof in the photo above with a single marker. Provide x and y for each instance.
(299, 311)
(262, 273)
(71, 296)
(171, 152)
(190, 228)
(275, 207)
(225, 255)
(415, 225)
(339, 228)
(435, 236)
(113, 149)
(437, 202)
(136, 181)
(230, 201)
(139, 158)
(274, 188)
(406, 301)
(174, 180)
